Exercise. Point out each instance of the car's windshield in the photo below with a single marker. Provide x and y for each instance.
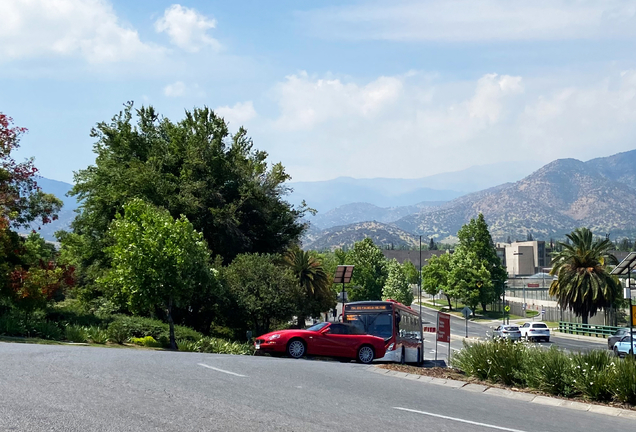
(376, 324)
(318, 326)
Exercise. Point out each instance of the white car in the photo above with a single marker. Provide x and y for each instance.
(535, 331)
(621, 348)
(506, 332)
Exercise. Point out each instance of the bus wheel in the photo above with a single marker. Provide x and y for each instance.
(419, 357)
(403, 357)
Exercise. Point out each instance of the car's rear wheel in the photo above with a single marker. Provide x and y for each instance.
(365, 354)
(296, 348)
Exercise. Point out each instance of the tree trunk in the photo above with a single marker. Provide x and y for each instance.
(173, 341)
(450, 306)
(483, 306)
(584, 318)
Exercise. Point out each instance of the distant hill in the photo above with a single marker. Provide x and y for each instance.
(620, 167)
(360, 212)
(552, 201)
(65, 216)
(381, 234)
(394, 192)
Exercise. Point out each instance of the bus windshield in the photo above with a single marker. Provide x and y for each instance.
(376, 324)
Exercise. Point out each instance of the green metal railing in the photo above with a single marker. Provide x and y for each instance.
(587, 329)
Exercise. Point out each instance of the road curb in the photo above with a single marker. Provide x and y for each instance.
(517, 395)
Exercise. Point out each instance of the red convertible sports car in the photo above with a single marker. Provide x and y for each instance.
(343, 341)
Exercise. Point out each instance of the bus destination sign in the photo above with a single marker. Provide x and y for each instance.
(361, 308)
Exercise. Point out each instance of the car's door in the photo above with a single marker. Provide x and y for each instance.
(333, 341)
(497, 332)
(524, 329)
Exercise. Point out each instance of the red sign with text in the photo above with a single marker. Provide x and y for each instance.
(443, 327)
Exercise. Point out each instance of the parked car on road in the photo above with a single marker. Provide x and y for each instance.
(340, 340)
(507, 331)
(622, 347)
(617, 336)
(535, 331)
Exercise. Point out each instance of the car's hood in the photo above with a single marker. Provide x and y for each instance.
(289, 332)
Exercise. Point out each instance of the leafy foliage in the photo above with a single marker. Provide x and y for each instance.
(397, 286)
(370, 271)
(435, 277)
(314, 281)
(157, 261)
(263, 292)
(583, 284)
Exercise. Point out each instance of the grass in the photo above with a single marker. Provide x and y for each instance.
(479, 315)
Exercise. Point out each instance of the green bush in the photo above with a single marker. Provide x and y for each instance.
(75, 333)
(550, 371)
(140, 327)
(624, 384)
(47, 330)
(71, 311)
(187, 345)
(12, 325)
(97, 335)
(220, 346)
(147, 341)
(117, 332)
(498, 361)
(594, 375)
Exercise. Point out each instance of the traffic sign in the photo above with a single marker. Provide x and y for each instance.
(507, 308)
(480, 284)
(466, 312)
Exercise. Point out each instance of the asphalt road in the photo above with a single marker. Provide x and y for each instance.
(73, 388)
(478, 330)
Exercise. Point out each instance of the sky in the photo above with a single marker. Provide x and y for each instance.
(399, 88)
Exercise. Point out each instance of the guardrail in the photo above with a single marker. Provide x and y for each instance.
(587, 329)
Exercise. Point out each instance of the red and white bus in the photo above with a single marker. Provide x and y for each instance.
(397, 324)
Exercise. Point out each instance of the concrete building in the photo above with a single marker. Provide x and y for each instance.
(523, 258)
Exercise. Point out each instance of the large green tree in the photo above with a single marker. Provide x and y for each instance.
(397, 285)
(157, 261)
(583, 282)
(224, 186)
(470, 279)
(264, 293)
(370, 271)
(314, 281)
(435, 277)
(475, 237)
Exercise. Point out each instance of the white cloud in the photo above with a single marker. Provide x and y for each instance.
(239, 114)
(305, 102)
(176, 89)
(406, 126)
(86, 28)
(187, 28)
(470, 20)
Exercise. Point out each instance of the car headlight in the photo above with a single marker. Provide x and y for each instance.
(391, 347)
(272, 337)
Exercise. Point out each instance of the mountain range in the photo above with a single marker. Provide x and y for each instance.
(552, 201)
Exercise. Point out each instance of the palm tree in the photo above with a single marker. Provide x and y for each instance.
(583, 283)
(314, 281)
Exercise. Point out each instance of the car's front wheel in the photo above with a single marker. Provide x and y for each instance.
(365, 354)
(296, 348)
(616, 352)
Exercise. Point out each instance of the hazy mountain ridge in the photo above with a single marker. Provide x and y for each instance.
(381, 234)
(552, 201)
(361, 212)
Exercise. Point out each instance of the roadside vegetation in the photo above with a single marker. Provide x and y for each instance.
(595, 376)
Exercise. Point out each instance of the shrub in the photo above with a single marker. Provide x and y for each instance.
(117, 332)
(70, 311)
(147, 341)
(624, 384)
(97, 335)
(75, 333)
(140, 327)
(47, 330)
(550, 371)
(187, 345)
(498, 361)
(220, 346)
(594, 374)
(12, 325)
